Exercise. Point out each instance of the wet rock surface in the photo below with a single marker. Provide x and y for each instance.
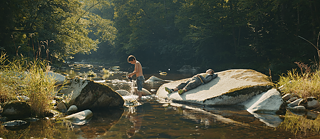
(97, 96)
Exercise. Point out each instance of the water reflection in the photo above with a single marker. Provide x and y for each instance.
(135, 116)
(202, 115)
(299, 124)
(100, 123)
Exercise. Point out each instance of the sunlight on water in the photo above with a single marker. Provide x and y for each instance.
(132, 87)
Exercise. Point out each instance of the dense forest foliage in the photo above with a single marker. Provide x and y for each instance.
(220, 34)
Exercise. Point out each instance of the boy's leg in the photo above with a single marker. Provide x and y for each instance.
(182, 85)
(140, 81)
(192, 84)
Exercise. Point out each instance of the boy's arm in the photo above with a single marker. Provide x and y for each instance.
(209, 78)
(135, 70)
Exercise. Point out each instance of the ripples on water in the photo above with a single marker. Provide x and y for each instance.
(157, 118)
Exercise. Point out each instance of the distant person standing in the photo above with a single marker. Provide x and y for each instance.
(138, 72)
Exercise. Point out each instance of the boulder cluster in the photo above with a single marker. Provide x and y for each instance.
(74, 102)
(301, 106)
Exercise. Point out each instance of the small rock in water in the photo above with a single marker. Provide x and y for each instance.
(292, 99)
(62, 107)
(80, 118)
(16, 125)
(295, 103)
(312, 103)
(312, 115)
(297, 109)
(72, 109)
(286, 97)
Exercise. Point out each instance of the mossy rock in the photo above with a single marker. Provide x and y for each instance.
(97, 96)
(16, 110)
(229, 88)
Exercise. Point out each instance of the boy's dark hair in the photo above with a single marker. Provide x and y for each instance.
(131, 58)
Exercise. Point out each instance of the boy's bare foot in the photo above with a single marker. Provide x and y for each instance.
(168, 90)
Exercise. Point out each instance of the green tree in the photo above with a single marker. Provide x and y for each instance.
(34, 24)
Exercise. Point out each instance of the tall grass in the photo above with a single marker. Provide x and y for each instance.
(7, 83)
(28, 78)
(304, 83)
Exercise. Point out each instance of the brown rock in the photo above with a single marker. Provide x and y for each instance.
(97, 95)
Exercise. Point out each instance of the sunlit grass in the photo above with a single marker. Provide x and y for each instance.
(302, 84)
(298, 124)
(28, 78)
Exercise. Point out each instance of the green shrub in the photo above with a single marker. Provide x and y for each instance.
(302, 84)
(29, 78)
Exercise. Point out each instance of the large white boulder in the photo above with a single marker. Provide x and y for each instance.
(230, 87)
(266, 102)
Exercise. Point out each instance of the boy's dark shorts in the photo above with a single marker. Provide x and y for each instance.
(140, 81)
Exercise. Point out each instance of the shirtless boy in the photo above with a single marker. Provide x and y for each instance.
(138, 72)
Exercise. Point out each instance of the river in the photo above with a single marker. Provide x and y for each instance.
(156, 118)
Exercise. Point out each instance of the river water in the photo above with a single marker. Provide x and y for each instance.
(157, 118)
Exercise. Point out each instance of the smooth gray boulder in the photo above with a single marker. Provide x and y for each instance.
(230, 87)
(80, 118)
(72, 109)
(15, 125)
(286, 97)
(16, 109)
(295, 103)
(297, 109)
(309, 103)
(264, 107)
(61, 106)
(155, 79)
(267, 102)
(87, 94)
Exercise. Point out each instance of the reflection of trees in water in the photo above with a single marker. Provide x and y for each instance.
(135, 116)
